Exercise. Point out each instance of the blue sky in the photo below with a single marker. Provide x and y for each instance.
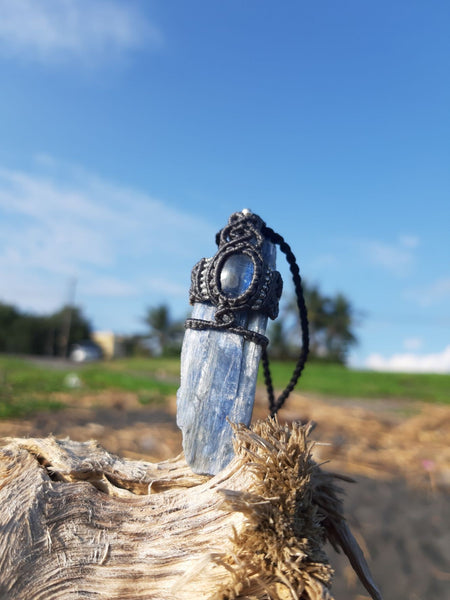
(131, 130)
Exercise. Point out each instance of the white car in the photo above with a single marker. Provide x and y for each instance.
(85, 352)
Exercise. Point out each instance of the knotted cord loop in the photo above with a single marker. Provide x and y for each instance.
(276, 404)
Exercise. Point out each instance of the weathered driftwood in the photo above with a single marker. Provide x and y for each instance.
(78, 522)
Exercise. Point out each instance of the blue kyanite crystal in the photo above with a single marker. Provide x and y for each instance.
(236, 275)
(218, 373)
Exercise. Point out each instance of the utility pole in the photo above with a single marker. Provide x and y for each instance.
(67, 318)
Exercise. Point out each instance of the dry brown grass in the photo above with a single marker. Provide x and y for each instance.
(379, 439)
(409, 441)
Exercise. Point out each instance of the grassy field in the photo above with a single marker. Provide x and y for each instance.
(27, 387)
(339, 381)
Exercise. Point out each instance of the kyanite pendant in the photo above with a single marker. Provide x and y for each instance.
(233, 294)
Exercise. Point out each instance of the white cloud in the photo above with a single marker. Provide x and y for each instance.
(436, 292)
(166, 287)
(412, 343)
(409, 241)
(118, 242)
(31, 291)
(52, 31)
(411, 363)
(109, 287)
(324, 261)
(396, 257)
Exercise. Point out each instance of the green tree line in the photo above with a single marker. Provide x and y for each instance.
(332, 321)
(25, 333)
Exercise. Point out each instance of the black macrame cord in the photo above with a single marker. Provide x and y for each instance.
(276, 404)
(236, 237)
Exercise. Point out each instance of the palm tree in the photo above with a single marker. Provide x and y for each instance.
(317, 306)
(158, 320)
(331, 321)
(167, 332)
(339, 334)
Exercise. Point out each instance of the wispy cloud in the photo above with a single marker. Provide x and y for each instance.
(119, 242)
(109, 287)
(324, 261)
(435, 293)
(412, 343)
(396, 257)
(409, 241)
(88, 31)
(411, 363)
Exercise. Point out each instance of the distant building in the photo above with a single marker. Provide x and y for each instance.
(110, 343)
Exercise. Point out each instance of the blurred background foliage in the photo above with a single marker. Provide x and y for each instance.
(51, 335)
(332, 322)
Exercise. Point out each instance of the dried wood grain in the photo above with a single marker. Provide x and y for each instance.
(78, 522)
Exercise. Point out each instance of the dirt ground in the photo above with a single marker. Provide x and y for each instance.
(397, 452)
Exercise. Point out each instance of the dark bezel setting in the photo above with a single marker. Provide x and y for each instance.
(215, 271)
(242, 235)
